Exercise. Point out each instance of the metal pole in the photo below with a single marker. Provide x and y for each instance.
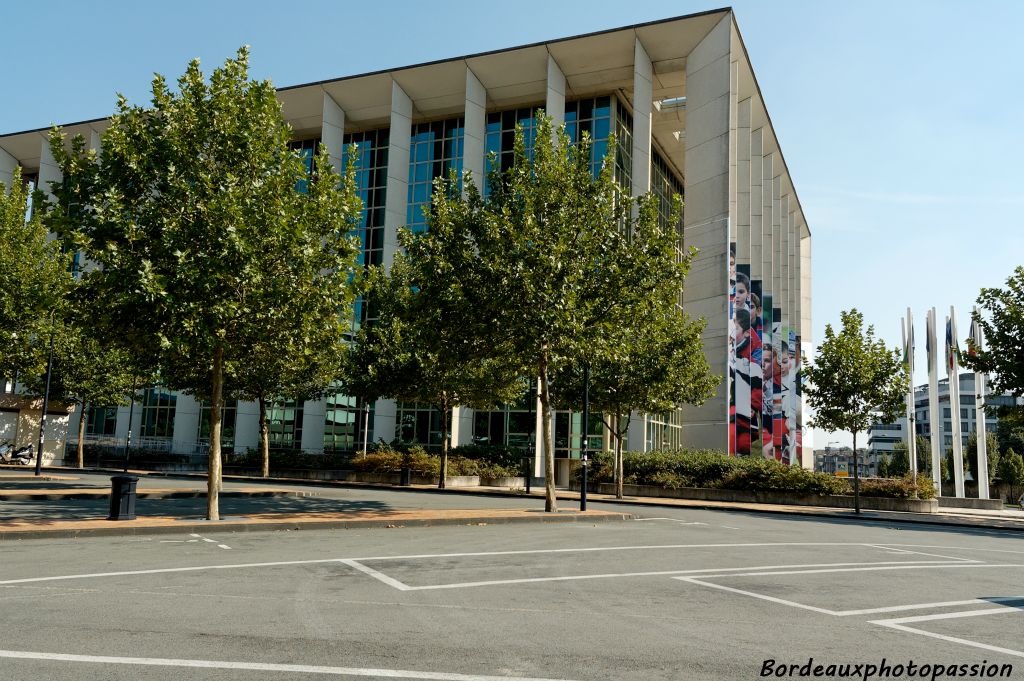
(131, 413)
(46, 405)
(366, 427)
(586, 423)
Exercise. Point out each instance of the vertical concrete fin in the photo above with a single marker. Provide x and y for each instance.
(475, 130)
(332, 131)
(554, 103)
(643, 93)
(398, 170)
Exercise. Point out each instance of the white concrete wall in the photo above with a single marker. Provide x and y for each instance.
(706, 222)
(643, 89)
(7, 165)
(475, 131)
(400, 140)
(313, 415)
(332, 131)
(554, 101)
(186, 423)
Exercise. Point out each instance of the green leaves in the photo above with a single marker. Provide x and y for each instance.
(34, 282)
(855, 380)
(1002, 323)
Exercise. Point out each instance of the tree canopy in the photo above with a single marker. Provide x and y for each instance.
(854, 380)
(193, 213)
(34, 283)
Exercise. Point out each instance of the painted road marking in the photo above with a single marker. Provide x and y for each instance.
(675, 520)
(236, 566)
(900, 625)
(262, 667)
(568, 578)
(701, 580)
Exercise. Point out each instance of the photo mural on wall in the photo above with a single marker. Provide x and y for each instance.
(764, 373)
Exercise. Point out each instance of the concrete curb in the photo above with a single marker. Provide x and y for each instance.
(47, 495)
(120, 528)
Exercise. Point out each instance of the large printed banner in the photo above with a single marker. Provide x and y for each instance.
(764, 374)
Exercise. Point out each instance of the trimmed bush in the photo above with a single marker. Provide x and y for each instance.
(496, 455)
(679, 468)
(898, 488)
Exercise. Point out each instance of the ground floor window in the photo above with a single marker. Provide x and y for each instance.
(419, 424)
(228, 416)
(101, 421)
(284, 422)
(664, 431)
(344, 423)
(158, 407)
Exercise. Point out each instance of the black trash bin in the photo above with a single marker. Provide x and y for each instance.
(122, 497)
(406, 476)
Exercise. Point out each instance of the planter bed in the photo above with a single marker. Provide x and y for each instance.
(395, 478)
(775, 497)
(987, 504)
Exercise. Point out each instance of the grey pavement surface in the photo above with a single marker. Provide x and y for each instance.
(679, 594)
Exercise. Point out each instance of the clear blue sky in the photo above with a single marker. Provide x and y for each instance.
(900, 121)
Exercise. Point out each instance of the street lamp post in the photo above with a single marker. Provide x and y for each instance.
(586, 432)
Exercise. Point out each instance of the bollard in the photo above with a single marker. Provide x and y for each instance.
(406, 476)
(122, 497)
(527, 472)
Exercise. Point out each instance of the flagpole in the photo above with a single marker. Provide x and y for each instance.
(953, 372)
(979, 413)
(933, 400)
(911, 407)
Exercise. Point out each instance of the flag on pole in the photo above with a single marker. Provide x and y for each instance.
(952, 349)
(973, 339)
(910, 343)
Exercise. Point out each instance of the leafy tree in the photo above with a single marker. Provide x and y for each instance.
(854, 381)
(659, 363)
(1011, 470)
(898, 463)
(924, 455)
(992, 452)
(1003, 328)
(428, 343)
(34, 283)
(565, 262)
(192, 212)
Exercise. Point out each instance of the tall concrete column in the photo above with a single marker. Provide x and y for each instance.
(554, 102)
(783, 256)
(48, 169)
(313, 414)
(756, 205)
(400, 141)
(475, 128)
(462, 426)
(744, 239)
(767, 215)
(7, 165)
(706, 223)
(777, 237)
(332, 131)
(186, 424)
(643, 94)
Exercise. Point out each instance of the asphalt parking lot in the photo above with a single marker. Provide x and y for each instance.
(681, 593)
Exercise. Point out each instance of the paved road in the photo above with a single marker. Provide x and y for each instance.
(681, 594)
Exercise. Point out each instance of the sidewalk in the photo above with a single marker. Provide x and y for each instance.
(319, 510)
(74, 504)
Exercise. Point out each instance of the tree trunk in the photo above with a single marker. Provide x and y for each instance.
(550, 500)
(264, 437)
(216, 399)
(81, 435)
(856, 476)
(444, 446)
(619, 433)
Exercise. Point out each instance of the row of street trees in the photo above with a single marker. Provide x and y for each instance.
(551, 271)
(210, 271)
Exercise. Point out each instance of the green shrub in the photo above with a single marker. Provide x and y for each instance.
(898, 488)
(288, 459)
(387, 460)
(500, 455)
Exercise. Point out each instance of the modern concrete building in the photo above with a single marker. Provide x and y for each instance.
(882, 437)
(682, 98)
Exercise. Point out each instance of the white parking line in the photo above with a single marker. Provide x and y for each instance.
(723, 572)
(262, 667)
(900, 625)
(701, 580)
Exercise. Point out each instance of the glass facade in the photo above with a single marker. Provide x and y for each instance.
(418, 424)
(228, 416)
(513, 425)
(371, 161)
(436, 150)
(501, 136)
(101, 421)
(284, 422)
(569, 434)
(344, 423)
(158, 407)
(664, 430)
(306, 150)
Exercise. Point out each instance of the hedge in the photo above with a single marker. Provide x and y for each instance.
(391, 459)
(677, 468)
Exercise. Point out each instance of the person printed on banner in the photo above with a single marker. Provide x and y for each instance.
(742, 383)
(767, 419)
(778, 417)
(757, 319)
(742, 292)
